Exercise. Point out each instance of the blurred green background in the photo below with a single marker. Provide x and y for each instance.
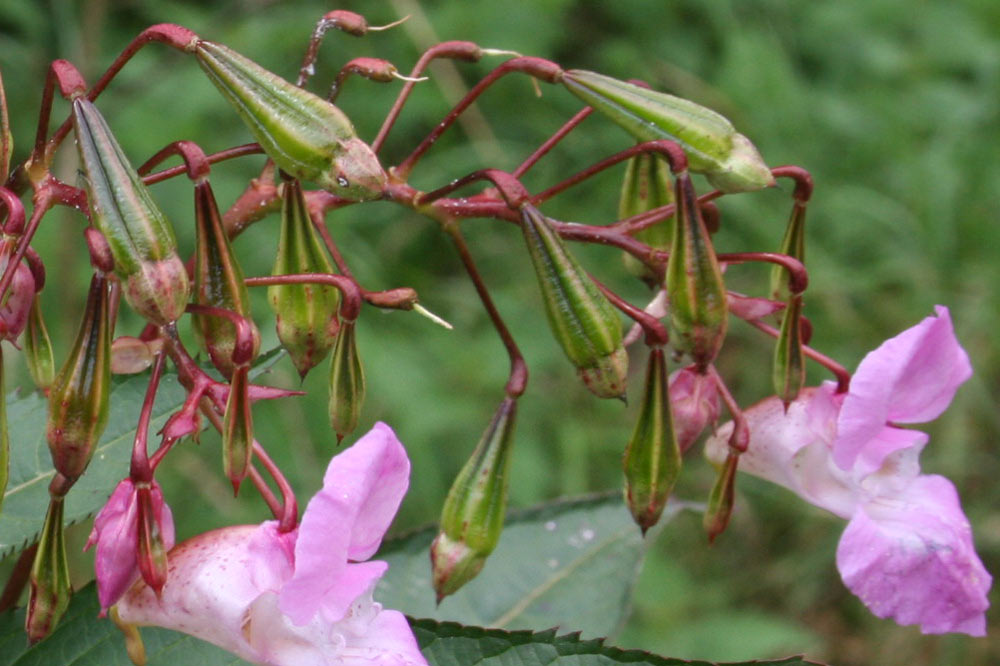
(893, 107)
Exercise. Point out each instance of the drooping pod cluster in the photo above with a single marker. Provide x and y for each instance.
(665, 228)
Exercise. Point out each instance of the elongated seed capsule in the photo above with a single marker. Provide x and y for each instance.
(347, 382)
(237, 429)
(139, 235)
(78, 398)
(305, 135)
(582, 319)
(38, 347)
(698, 313)
(50, 588)
(794, 245)
(218, 282)
(652, 459)
(647, 186)
(713, 146)
(306, 313)
(151, 553)
(720, 499)
(473, 513)
(788, 372)
(6, 139)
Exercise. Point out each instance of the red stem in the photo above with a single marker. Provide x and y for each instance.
(350, 307)
(550, 143)
(796, 270)
(841, 373)
(656, 332)
(140, 470)
(539, 68)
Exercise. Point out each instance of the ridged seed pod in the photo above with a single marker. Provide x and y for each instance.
(347, 382)
(713, 146)
(306, 136)
(218, 282)
(306, 313)
(788, 372)
(141, 240)
(698, 311)
(50, 588)
(78, 398)
(473, 513)
(582, 319)
(647, 186)
(652, 459)
(38, 348)
(237, 429)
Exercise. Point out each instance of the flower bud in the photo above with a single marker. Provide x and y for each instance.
(652, 459)
(698, 314)
(15, 304)
(582, 319)
(306, 136)
(788, 372)
(50, 585)
(794, 245)
(78, 397)
(218, 282)
(38, 348)
(237, 429)
(720, 499)
(647, 186)
(713, 146)
(347, 382)
(694, 401)
(306, 313)
(154, 280)
(473, 513)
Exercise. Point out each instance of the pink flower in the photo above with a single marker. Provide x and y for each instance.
(302, 598)
(116, 534)
(907, 551)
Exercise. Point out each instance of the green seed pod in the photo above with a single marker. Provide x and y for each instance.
(218, 282)
(647, 186)
(347, 382)
(698, 311)
(237, 429)
(6, 139)
(155, 282)
(794, 245)
(473, 514)
(788, 372)
(713, 146)
(720, 499)
(78, 398)
(652, 459)
(38, 347)
(50, 584)
(306, 136)
(582, 319)
(150, 551)
(306, 313)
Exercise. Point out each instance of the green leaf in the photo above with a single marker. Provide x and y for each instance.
(27, 495)
(570, 563)
(82, 639)
(451, 644)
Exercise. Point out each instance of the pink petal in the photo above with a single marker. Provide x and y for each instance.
(389, 641)
(751, 308)
(361, 493)
(116, 535)
(910, 378)
(208, 591)
(694, 401)
(911, 558)
(888, 440)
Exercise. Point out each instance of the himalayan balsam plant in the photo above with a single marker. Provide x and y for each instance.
(301, 589)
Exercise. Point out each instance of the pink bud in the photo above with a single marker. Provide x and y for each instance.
(116, 534)
(15, 305)
(694, 400)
